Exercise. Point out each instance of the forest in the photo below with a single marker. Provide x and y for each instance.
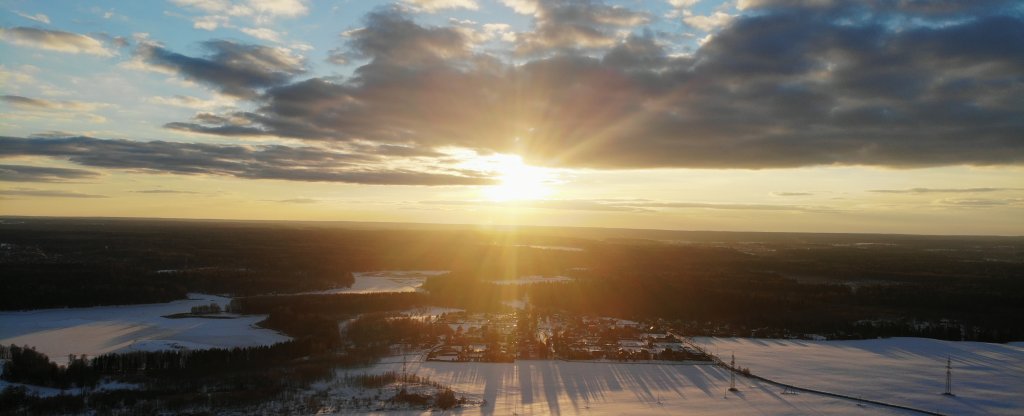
(845, 285)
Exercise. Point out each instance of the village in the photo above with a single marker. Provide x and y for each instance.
(505, 337)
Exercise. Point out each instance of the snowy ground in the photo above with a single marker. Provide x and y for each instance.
(98, 330)
(604, 388)
(386, 281)
(988, 379)
(104, 385)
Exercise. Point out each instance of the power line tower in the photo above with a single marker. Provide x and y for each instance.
(732, 373)
(949, 377)
(404, 377)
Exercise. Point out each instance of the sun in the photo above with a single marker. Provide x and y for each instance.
(518, 181)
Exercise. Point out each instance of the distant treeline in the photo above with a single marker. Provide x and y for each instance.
(735, 294)
(52, 285)
(744, 281)
(26, 365)
(62, 263)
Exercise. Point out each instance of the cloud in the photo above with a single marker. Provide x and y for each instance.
(248, 8)
(572, 205)
(629, 205)
(337, 57)
(389, 38)
(792, 193)
(22, 192)
(784, 87)
(284, 8)
(210, 22)
(308, 164)
(709, 22)
(262, 33)
(232, 68)
(25, 173)
(942, 190)
(296, 201)
(20, 101)
(435, 5)
(727, 206)
(982, 202)
(190, 102)
(41, 104)
(54, 40)
(38, 17)
(21, 75)
(163, 191)
(37, 108)
(522, 6)
(227, 13)
(570, 24)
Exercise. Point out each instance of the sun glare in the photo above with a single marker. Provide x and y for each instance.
(518, 181)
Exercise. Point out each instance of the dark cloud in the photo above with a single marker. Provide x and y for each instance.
(41, 104)
(637, 52)
(24, 173)
(573, 24)
(942, 190)
(790, 85)
(52, 134)
(309, 164)
(45, 193)
(390, 38)
(233, 68)
(18, 100)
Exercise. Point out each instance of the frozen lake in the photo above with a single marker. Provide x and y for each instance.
(386, 281)
(102, 329)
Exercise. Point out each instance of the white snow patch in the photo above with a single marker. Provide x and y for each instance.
(102, 329)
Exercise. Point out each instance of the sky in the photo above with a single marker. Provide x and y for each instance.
(874, 116)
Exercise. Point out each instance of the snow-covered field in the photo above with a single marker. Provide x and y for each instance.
(988, 379)
(386, 281)
(604, 388)
(102, 329)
